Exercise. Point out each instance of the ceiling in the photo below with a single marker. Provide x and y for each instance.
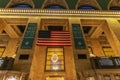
(71, 3)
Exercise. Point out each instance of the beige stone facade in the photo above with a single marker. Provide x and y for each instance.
(101, 35)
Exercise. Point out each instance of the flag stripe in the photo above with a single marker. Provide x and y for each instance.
(54, 41)
(60, 36)
(57, 38)
(53, 44)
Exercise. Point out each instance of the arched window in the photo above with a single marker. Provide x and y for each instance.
(21, 6)
(54, 7)
(115, 8)
(86, 7)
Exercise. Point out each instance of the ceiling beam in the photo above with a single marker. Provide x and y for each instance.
(16, 21)
(2, 25)
(17, 30)
(97, 32)
(90, 22)
(11, 32)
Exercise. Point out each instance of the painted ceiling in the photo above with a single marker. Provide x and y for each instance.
(71, 3)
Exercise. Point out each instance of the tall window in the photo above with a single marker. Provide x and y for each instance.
(21, 6)
(86, 7)
(54, 6)
(2, 49)
(108, 51)
(55, 59)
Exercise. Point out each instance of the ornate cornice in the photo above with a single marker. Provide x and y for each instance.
(26, 13)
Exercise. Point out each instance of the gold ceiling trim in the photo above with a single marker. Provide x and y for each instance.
(57, 13)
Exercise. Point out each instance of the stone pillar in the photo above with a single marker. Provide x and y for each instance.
(24, 65)
(97, 49)
(69, 64)
(111, 27)
(38, 64)
(38, 61)
(80, 64)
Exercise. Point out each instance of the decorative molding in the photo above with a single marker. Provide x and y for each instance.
(28, 13)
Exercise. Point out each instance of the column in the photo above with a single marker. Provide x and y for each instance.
(26, 47)
(38, 61)
(79, 64)
(69, 64)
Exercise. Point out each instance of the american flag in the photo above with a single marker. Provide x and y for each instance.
(54, 38)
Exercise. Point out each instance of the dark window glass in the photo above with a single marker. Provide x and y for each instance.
(115, 8)
(82, 56)
(21, 28)
(54, 7)
(86, 29)
(21, 6)
(24, 57)
(86, 7)
(3, 32)
(6, 63)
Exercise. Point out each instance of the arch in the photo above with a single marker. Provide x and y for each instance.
(21, 6)
(54, 6)
(115, 8)
(87, 7)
